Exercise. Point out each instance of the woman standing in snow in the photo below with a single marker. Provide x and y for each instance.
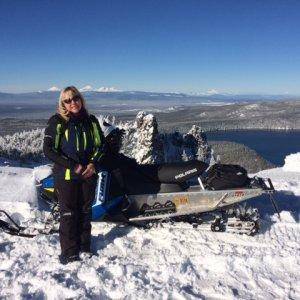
(74, 142)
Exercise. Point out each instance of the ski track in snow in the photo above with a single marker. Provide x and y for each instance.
(167, 262)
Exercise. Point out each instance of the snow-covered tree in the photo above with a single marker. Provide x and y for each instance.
(26, 145)
(141, 141)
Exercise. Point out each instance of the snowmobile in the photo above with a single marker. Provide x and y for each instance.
(191, 201)
(192, 192)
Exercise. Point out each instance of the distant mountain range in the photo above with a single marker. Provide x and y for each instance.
(146, 96)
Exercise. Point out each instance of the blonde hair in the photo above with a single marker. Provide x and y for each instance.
(72, 91)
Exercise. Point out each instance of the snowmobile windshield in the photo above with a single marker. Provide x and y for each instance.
(114, 140)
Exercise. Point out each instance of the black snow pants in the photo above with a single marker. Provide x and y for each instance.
(75, 201)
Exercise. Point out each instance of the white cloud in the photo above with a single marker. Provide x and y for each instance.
(53, 89)
(86, 88)
(107, 89)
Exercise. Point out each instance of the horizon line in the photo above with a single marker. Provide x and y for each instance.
(195, 94)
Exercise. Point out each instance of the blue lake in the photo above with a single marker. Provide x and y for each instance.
(272, 145)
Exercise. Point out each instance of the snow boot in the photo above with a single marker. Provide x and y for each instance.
(64, 260)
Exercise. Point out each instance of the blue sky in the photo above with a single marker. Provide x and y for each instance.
(188, 46)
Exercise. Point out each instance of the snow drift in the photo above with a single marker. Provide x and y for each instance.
(292, 163)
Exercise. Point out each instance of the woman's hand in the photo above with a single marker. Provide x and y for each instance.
(89, 171)
(78, 169)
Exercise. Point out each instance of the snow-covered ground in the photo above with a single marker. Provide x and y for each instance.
(171, 262)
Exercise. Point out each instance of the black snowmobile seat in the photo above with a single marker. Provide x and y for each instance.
(180, 172)
(164, 178)
(144, 179)
(144, 186)
(135, 179)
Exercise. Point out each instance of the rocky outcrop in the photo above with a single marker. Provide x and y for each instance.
(149, 146)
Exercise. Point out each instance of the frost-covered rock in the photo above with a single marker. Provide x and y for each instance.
(150, 146)
(193, 145)
(148, 149)
(199, 143)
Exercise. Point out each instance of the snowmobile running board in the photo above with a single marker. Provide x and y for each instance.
(195, 200)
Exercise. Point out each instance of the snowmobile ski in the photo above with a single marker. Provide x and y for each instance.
(11, 227)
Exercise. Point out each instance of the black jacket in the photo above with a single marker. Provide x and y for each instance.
(78, 141)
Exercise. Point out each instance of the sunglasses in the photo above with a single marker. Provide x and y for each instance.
(74, 99)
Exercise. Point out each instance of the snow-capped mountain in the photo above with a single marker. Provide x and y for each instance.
(103, 93)
(87, 88)
(53, 89)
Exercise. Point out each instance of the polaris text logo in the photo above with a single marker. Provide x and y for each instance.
(185, 173)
